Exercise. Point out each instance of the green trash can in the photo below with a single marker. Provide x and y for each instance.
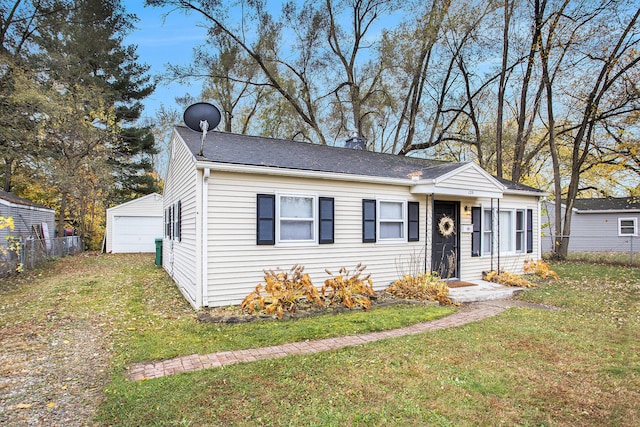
(158, 252)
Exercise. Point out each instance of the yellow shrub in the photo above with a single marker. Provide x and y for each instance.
(422, 287)
(283, 292)
(540, 269)
(349, 290)
(507, 279)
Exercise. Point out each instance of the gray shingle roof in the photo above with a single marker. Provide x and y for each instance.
(12, 198)
(223, 147)
(608, 204)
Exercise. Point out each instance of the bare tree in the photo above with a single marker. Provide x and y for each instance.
(600, 45)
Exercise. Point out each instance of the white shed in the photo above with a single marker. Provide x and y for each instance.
(133, 226)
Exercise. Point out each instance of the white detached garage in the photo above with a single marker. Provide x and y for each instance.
(133, 226)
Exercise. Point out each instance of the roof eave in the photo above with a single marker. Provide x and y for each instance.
(515, 191)
(271, 170)
(606, 211)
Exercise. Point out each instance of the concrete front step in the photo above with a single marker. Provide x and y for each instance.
(482, 291)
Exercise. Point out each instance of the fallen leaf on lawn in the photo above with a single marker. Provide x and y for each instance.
(23, 406)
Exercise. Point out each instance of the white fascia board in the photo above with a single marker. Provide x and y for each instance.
(268, 170)
(447, 191)
(524, 193)
(130, 202)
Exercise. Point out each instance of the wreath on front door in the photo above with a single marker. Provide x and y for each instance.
(446, 226)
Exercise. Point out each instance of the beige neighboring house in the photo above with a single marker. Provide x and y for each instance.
(132, 227)
(252, 203)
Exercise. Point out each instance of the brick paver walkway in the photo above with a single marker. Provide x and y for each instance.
(470, 313)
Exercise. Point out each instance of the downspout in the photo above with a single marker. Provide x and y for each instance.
(431, 197)
(426, 230)
(499, 236)
(539, 237)
(493, 240)
(204, 240)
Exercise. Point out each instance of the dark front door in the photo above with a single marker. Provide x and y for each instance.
(445, 239)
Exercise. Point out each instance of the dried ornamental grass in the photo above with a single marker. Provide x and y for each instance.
(347, 289)
(540, 269)
(421, 287)
(284, 290)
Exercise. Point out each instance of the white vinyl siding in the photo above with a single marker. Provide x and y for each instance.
(467, 181)
(236, 262)
(179, 258)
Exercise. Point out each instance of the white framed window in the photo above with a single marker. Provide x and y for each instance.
(627, 227)
(296, 218)
(487, 231)
(507, 231)
(510, 224)
(520, 231)
(392, 223)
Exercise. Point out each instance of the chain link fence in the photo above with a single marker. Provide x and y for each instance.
(599, 248)
(26, 254)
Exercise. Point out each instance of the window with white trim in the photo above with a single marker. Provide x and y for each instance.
(515, 229)
(487, 231)
(507, 231)
(627, 227)
(296, 218)
(391, 220)
(520, 231)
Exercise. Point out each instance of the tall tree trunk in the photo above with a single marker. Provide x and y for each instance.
(8, 172)
(61, 214)
(508, 11)
(522, 135)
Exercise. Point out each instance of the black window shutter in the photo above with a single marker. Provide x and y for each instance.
(529, 231)
(476, 214)
(326, 220)
(179, 222)
(413, 221)
(171, 222)
(368, 221)
(266, 219)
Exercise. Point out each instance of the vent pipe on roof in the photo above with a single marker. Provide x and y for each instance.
(355, 142)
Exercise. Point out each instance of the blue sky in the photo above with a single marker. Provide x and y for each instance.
(161, 41)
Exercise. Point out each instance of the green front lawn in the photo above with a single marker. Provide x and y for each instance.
(579, 365)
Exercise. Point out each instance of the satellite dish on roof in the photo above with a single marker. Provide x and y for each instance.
(201, 117)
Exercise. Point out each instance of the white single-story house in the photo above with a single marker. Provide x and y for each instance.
(133, 226)
(29, 219)
(252, 203)
(597, 225)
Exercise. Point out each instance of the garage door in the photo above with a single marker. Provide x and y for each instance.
(136, 233)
